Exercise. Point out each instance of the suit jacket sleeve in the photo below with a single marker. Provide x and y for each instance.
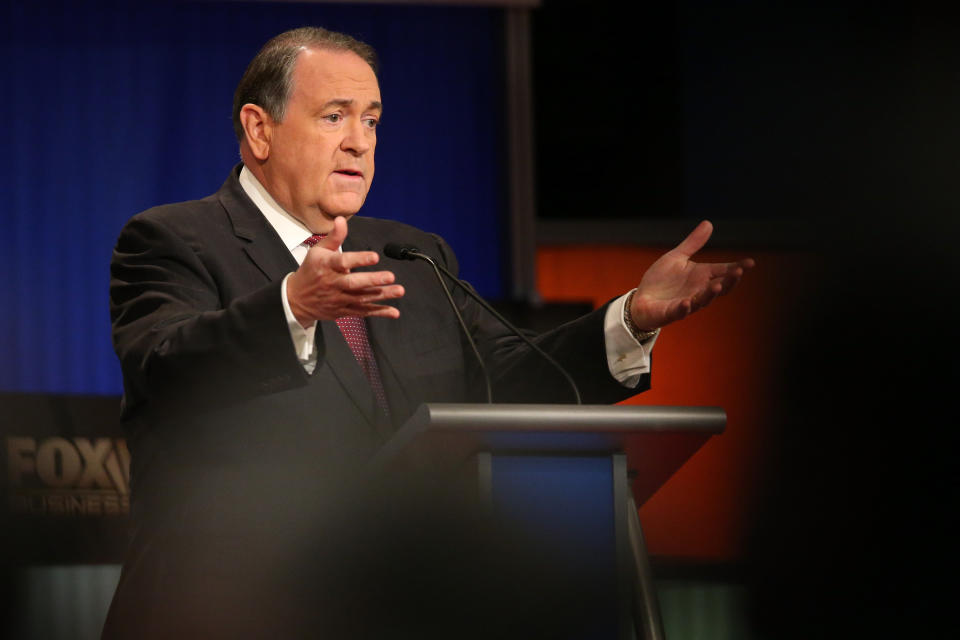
(520, 374)
(177, 341)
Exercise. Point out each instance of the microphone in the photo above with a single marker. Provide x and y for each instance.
(410, 252)
(399, 251)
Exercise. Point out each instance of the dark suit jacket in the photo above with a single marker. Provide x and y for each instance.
(234, 446)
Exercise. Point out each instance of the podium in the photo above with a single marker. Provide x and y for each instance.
(574, 474)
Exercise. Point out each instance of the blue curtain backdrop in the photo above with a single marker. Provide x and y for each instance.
(111, 108)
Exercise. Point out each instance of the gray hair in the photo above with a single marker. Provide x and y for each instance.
(268, 80)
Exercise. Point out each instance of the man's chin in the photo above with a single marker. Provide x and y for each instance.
(322, 221)
(345, 207)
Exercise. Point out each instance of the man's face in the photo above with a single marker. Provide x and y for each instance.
(320, 162)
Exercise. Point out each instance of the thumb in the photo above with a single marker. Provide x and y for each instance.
(695, 241)
(336, 237)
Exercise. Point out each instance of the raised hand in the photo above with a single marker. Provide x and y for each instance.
(675, 286)
(324, 288)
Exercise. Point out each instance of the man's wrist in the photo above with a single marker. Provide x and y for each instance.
(291, 307)
(638, 334)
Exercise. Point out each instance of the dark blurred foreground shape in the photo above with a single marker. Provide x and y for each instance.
(402, 555)
(389, 559)
(855, 534)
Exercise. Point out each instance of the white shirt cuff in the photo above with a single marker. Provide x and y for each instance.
(627, 359)
(303, 344)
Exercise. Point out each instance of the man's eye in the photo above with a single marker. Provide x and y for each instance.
(333, 118)
(371, 123)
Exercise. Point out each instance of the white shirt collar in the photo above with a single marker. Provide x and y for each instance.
(290, 230)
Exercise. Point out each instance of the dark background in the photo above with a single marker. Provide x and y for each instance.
(777, 120)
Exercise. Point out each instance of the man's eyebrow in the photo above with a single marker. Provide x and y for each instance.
(348, 102)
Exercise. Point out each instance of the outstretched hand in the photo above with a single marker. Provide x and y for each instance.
(324, 288)
(675, 286)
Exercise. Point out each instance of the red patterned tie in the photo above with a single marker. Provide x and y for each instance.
(354, 331)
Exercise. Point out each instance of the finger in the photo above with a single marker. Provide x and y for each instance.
(722, 269)
(697, 238)
(372, 311)
(374, 294)
(385, 311)
(707, 296)
(730, 281)
(352, 259)
(359, 281)
(336, 237)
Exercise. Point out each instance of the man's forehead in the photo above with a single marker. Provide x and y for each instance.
(373, 105)
(318, 68)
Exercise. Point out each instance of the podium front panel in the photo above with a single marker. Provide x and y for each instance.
(566, 503)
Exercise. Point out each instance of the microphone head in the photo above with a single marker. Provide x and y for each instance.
(399, 251)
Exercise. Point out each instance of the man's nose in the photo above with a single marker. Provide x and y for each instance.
(355, 139)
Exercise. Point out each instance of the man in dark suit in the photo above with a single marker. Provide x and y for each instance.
(248, 399)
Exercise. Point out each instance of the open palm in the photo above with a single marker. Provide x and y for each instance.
(675, 286)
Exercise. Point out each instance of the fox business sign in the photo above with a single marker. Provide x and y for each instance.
(68, 476)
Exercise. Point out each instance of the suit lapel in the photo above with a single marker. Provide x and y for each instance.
(263, 246)
(274, 265)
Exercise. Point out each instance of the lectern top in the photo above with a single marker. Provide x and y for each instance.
(566, 417)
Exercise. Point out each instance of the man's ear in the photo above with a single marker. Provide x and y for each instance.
(257, 127)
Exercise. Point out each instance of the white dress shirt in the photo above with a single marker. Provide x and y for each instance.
(627, 359)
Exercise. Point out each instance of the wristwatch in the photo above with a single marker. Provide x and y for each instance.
(638, 334)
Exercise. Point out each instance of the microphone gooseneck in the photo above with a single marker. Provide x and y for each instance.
(410, 252)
